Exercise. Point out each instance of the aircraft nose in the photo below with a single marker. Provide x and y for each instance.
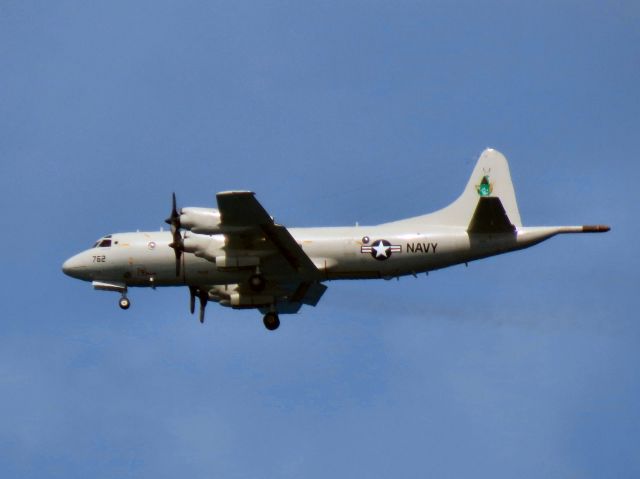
(74, 267)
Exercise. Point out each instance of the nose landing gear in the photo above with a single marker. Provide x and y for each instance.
(271, 321)
(124, 303)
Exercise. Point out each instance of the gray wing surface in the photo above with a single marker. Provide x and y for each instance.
(247, 226)
(250, 230)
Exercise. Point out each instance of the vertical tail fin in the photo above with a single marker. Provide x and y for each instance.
(490, 179)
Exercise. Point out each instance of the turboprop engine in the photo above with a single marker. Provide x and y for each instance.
(203, 237)
(203, 246)
(201, 220)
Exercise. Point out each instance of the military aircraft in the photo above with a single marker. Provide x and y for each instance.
(238, 256)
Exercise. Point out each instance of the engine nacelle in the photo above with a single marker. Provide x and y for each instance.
(207, 247)
(229, 295)
(201, 220)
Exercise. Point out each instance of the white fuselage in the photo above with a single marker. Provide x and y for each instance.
(237, 256)
(145, 258)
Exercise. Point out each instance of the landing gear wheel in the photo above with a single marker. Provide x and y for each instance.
(124, 303)
(257, 282)
(271, 321)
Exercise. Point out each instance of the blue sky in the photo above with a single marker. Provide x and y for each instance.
(523, 365)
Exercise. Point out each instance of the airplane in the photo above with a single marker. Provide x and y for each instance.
(238, 256)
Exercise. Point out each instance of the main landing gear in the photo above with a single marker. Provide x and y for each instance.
(271, 321)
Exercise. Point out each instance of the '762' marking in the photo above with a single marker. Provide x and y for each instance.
(99, 259)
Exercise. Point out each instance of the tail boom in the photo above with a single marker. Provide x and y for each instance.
(531, 235)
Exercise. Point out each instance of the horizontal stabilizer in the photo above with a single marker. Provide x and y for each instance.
(490, 217)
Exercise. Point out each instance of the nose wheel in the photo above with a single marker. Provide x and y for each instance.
(271, 321)
(124, 303)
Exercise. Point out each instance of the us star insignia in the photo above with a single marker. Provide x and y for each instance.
(381, 249)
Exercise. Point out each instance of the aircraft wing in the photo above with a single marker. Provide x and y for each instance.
(249, 230)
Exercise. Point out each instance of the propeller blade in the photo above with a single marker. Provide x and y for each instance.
(204, 297)
(174, 218)
(178, 258)
(177, 249)
(174, 221)
(192, 298)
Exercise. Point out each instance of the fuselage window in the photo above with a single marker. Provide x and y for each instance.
(105, 243)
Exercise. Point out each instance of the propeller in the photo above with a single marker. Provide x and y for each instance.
(202, 295)
(193, 291)
(178, 243)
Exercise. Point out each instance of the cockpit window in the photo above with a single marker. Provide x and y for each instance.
(102, 243)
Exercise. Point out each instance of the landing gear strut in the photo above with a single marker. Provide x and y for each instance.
(271, 321)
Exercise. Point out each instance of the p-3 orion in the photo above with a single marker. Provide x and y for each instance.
(237, 256)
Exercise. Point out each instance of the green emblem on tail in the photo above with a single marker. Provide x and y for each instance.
(484, 188)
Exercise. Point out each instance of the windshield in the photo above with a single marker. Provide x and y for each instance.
(103, 242)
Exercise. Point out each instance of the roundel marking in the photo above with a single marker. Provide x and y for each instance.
(381, 250)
